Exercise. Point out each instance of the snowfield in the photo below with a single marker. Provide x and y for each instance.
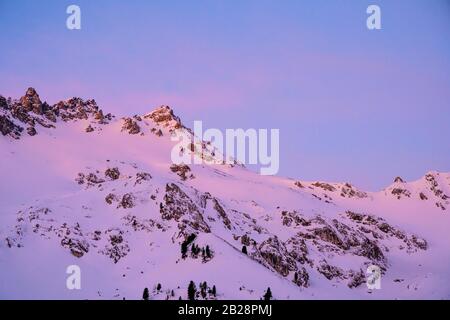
(80, 187)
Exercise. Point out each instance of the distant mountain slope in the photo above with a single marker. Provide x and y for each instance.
(82, 187)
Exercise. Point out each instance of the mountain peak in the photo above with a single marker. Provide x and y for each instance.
(399, 180)
(31, 101)
(164, 116)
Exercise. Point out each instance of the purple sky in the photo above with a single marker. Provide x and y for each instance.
(351, 104)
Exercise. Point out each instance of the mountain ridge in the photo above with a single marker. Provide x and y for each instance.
(102, 192)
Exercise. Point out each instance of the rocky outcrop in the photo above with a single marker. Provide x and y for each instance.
(31, 112)
(325, 186)
(165, 117)
(400, 193)
(110, 198)
(89, 129)
(301, 277)
(131, 126)
(90, 179)
(349, 191)
(356, 279)
(127, 201)
(399, 180)
(433, 185)
(217, 207)
(369, 224)
(78, 109)
(112, 173)
(327, 234)
(273, 252)
(31, 102)
(142, 176)
(117, 247)
(182, 170)
(180, 207)
(294, 218)
(329, 271)
(9, 128)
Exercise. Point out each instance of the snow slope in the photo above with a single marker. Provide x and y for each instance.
(79, 187)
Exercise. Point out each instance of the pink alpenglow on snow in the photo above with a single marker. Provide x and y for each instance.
(92, 200)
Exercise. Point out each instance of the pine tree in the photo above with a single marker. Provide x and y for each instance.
(214, 290)
(296, 277)
(145, 295)
(208, 252)
(244, 249)
(268, 294)
(192, 290)
(184, 249)
(172, 293)
(203, 289)
(158, 287)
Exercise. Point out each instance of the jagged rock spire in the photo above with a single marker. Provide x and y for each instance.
(31, 102)
(165, 117)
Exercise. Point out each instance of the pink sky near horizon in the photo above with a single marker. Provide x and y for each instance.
(351, 105)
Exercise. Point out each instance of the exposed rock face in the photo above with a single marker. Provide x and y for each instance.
(112, 173)
(349, 191)
(399, 180)
(131, 126)
(328, 271)
(180, 207)
(297, 249)
(324, 186)
(89, 129)
(329, 235)
(422, 196)
(3, 103)
(301, 278)
(367, 224)
(290, 218)
(77, 109)
(117, 247)
(182, 170)
(419, 242)
(142, 176)
(399, 193)
(31, 131)
(127, 201)
(31, 102)
(164, 117)
(217, 207)
(90, 179)
(9, 128)
(434, 186)
(31, 112)
(274, 253)
(77, 247)
(356, 279)
(110, 198)
(299, 184)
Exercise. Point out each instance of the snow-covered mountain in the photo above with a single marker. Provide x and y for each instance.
(82, 187)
